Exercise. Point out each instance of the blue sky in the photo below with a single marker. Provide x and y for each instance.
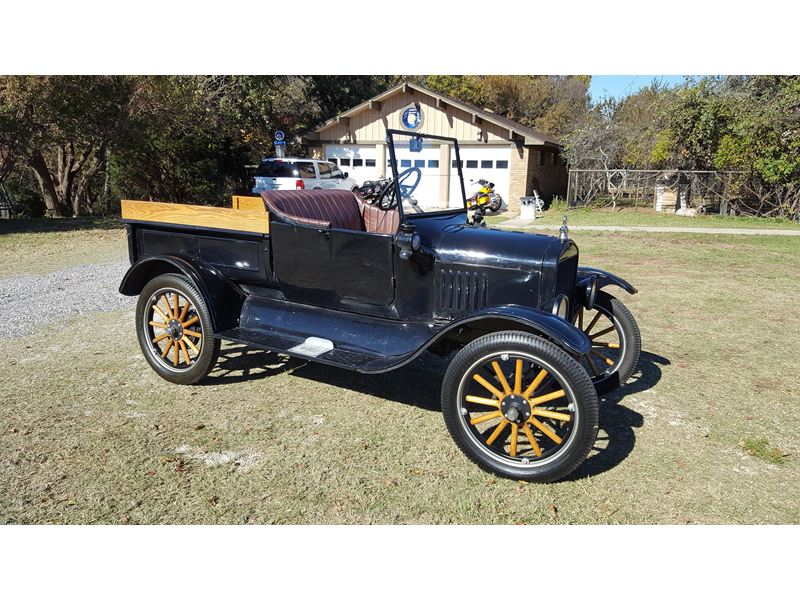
(624, 85)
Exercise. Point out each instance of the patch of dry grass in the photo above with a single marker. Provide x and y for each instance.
(32, 250)
(89, 434)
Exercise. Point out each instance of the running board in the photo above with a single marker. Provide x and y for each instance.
(341, 339)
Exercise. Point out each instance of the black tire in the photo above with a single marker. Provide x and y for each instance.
(199, 350)
(626, 358)
(554, 459)
(496, 204)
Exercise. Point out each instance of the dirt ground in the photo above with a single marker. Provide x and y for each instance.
(707, 432)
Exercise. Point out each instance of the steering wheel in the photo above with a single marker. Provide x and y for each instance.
(387, 199)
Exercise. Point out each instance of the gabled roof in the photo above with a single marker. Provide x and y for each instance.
(530, 136)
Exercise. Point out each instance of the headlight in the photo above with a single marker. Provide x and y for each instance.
(586, 292)
(561, 307)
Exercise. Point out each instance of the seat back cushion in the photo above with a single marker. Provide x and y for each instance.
(322, 208)
(377, 220)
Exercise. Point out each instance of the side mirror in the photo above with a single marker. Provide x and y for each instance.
(346, 175)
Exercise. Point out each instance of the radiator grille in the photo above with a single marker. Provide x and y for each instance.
(462, 290)
(567, 272)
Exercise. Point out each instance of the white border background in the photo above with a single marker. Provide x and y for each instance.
(508, 37)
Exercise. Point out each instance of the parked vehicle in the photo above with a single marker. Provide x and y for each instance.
(370, 284)
(485, 198)
(300, 174)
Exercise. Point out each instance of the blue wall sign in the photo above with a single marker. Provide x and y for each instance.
(411, 117)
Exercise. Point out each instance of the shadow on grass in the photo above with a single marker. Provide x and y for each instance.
(419, 384)
(616, 438)
(54, 225)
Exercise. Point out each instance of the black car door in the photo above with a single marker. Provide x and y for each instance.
(301, 262)
(362, 267)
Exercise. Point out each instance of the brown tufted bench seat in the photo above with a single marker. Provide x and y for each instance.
(339, 209)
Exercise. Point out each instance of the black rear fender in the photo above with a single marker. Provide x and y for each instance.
(223, 298)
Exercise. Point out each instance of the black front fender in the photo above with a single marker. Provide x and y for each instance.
(560, 331)
(223, 298)
(605, 278)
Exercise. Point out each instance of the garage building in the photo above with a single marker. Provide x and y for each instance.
(515, 158)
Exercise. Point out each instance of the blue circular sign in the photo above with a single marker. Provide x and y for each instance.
(279, 135)
(411, 119)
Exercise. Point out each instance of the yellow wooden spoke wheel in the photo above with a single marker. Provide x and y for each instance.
(174, 329)
(519, 406)
(616, 342)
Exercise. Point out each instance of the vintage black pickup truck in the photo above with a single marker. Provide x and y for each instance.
(369, 283)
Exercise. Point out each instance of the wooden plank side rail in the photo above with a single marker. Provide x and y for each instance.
(248, 203)
(250, 220)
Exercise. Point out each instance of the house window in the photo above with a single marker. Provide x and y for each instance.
(358, 162)
(333, 160)
(472, 164)
(370, 162)
(486, 164)
(345, 162)
(501, 164)
(405, 163)
(433, 164)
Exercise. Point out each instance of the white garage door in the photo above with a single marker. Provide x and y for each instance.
(357, 161)
(481, 162)
(426, 161)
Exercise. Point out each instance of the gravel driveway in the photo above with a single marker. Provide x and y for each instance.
(29, 301)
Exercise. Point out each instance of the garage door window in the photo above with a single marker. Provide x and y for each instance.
(405, 163)
(501, 164)
(433, 164)
(345, 162)
(472, 164)
(419, 164)
(455, 163)
(358, 162)
(333, 160)
(369, 162)
(486, 164)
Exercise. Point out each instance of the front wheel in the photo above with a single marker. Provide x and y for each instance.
(616, 342)
(496, 203)
(520, 407)
(174, 330)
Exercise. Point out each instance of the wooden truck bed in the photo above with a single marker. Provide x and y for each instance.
(248, 214)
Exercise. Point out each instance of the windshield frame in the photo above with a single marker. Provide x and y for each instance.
(390, 133)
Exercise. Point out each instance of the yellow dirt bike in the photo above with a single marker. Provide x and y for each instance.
(485, 198)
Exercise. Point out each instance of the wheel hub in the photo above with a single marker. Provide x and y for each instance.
(175, 329)
(515, 408)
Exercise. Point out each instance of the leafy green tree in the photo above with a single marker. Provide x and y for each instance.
(553, 105)
(63, 126)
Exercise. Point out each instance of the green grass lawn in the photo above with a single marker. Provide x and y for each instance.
(630, 217)
(707, 432)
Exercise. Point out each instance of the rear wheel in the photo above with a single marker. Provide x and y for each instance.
(616, 342)
(174, 330)
(520, 407)
(496, 203)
